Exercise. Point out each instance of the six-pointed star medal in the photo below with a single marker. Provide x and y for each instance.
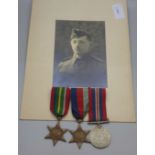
(56, 134)
(79, 136)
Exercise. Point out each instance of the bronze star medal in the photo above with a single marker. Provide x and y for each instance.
(59, 105)
(56, 134)
(79, 136)
(79, 102)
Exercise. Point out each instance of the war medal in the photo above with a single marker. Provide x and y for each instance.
(59, 105)
(99, 137)
(79, 104)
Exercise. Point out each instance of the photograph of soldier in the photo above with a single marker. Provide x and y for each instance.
(83, 68)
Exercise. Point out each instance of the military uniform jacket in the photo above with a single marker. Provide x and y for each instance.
(88, 71)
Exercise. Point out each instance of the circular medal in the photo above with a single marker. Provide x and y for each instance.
(99, 137)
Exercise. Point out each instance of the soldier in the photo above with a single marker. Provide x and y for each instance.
(83, 68)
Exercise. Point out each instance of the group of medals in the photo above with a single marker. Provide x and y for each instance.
(91, 101)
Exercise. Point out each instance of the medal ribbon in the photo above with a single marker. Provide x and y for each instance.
(59, 103)
(97, 104)
(79, 102)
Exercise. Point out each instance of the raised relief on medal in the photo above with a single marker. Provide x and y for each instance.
(56, 134)
(80, 54)
(99, 137)
(79, 136)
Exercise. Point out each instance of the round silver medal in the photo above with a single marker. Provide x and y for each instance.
(99, 137)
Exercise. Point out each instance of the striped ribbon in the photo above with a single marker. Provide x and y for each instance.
(97, 104)
(79, 102)
(59, 103)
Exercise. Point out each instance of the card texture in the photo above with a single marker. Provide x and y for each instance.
(39, 71)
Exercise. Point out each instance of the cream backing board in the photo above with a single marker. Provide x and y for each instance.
(40, 56)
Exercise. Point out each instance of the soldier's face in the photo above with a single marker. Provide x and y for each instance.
(80, 45)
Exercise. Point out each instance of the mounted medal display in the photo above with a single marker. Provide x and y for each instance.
(78, 69)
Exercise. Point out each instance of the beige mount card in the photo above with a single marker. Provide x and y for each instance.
(51, 21)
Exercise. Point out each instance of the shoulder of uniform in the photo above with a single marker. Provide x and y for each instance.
(65, 60)
(97, 58)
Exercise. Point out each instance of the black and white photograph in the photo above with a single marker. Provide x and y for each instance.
(80, 54)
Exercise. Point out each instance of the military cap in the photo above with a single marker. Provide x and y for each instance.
(76, 33)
